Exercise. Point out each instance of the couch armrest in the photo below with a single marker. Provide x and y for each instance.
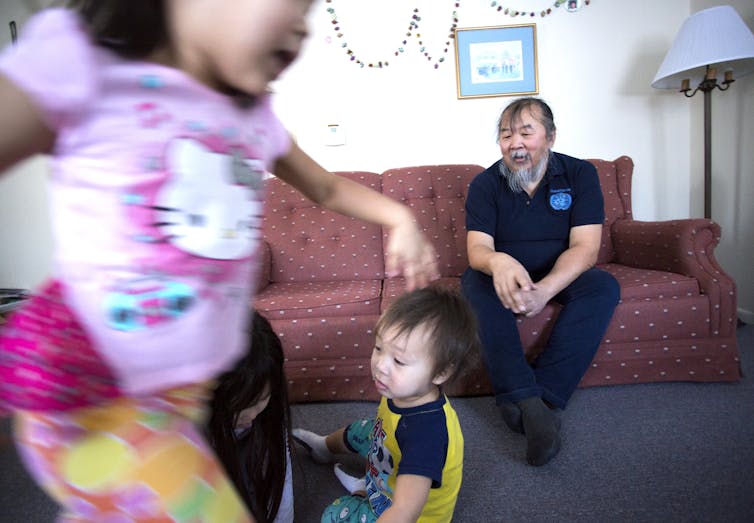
(684, 247)
(263, 271)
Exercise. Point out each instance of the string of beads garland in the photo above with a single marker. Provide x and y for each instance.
(411, 30)
(514, 13)
(451, 36)
(413, 27)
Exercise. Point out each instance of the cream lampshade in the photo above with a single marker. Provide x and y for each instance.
(712, 43)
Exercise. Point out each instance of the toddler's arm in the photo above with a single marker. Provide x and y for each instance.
(408, 250)
(23, 133)
(411, 493)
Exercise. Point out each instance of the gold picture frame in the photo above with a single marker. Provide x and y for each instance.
(496, 61)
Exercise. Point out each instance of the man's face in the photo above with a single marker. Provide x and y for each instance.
(524, 142)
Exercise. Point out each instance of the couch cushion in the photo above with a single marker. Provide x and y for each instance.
(328, 358)
(615, 181)
(701, 359)
(316, 299)
(659, 320)
(436, 194)
(650, 284)
(308, 243)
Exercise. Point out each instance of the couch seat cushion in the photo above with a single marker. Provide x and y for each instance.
(642, 320)
(321, 298)
(651, 284)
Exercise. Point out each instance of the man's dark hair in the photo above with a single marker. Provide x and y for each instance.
(516, 107)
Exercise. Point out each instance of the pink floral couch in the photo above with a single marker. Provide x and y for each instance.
(323, 286)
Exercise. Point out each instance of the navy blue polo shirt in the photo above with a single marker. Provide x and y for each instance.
(535, 231)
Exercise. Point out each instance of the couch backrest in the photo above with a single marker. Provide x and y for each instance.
(615, 180)
(308, 243)
(436, 194)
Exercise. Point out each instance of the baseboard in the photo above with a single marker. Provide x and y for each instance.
(746, 316)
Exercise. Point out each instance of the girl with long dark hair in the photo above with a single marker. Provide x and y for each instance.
(250, 425)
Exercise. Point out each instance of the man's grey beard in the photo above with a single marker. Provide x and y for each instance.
(519, 179)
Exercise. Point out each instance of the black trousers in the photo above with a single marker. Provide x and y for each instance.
(587, 306)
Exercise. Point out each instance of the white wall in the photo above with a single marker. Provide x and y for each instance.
(595, 69)
(25, 234)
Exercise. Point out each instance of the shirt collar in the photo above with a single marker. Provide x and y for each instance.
(555, 168)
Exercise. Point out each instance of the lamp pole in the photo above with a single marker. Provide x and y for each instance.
(706, 86)
(708, 153)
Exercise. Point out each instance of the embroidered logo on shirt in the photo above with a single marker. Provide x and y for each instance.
(560, 199)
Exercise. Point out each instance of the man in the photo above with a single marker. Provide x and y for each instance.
(534, 222)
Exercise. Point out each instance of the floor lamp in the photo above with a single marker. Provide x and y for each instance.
(711, 41)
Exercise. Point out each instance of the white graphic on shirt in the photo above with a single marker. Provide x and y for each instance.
(207, 208)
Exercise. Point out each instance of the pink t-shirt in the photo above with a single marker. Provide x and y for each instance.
(157, 197)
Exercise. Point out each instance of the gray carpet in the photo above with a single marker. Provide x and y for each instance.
(636, 453)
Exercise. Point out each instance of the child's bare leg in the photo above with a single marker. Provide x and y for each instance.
(334, 442)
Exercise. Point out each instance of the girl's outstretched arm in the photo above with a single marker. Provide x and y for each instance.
(23, 133)
(408, 250)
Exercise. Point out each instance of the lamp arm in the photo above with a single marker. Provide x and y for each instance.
(708, 83)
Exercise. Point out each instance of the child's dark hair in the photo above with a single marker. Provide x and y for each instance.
(450, 321)
(134, 29)
(255, 460)
(131, 28)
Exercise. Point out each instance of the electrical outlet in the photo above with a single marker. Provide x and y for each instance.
(335, 135)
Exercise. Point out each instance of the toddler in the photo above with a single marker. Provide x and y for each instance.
(414, 446)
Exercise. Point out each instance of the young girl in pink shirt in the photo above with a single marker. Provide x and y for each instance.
(156, 118)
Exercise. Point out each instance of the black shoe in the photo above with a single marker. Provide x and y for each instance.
(512, 416)
(542, 427)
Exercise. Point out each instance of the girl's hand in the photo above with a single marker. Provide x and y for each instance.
(410, 253)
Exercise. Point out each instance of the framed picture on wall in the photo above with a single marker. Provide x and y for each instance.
(496, 61)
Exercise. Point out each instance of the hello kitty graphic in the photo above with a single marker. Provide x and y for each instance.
(208, 207)
(200, 217)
